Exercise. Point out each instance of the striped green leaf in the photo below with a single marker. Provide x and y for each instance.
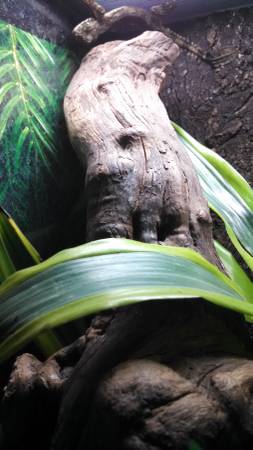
(107, 274)
(235, 271)
(227, 192)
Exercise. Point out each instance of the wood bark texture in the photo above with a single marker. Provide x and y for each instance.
(160, 375)
(139, 182)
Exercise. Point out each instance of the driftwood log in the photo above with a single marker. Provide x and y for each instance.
(157, 375)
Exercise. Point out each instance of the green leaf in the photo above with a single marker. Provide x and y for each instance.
(34, 75)
(6, 265)
(104, 247)
(225, 169)
(228, 194)
(9, 110)
(4, 69)
(235, 271)
(244, 254)
(40, 48)
(5, 89)
(48, 342)
(194, 446)
(16, 251)
(109, 274)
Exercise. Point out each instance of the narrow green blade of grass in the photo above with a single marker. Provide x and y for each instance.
(83, 286)
(48, 342)
(16, 251)
(6, 265)
(228, 194)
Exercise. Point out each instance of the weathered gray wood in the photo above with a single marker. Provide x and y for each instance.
(139, 183)
(157, 375)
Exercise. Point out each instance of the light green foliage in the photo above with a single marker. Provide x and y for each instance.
(107, 274)
(34, 75)
(114, 272)
(16, 252)
(227, 192)
(234, 270)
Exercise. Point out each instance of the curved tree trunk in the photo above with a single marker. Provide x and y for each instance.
(156, 375)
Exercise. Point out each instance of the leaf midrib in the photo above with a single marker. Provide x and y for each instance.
(20, 81)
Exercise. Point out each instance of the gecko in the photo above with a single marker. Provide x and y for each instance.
(89, 30)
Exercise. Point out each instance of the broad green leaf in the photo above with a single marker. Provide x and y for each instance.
(228, 194)
(104, 247)
(231, 175)
(64, 291)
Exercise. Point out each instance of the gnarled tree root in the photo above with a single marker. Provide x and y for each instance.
(156, 375)
(156, 398)
(145, 405)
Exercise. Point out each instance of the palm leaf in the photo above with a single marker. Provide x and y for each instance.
(5, 89)
(106, 274)
(227, 192)
(4, 54)
(9, 110)
(34, 75)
